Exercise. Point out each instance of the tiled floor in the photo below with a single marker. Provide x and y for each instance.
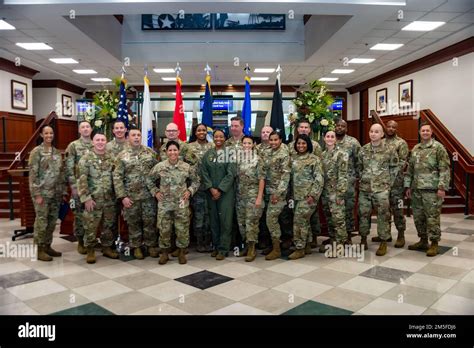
(401, 282)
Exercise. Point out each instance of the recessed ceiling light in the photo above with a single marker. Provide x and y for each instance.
(203, 85)
(34, 46)
(255, 93)
(6, 26)
(423, 26)
(168, 78)
(264, 70)
(63, 60)
(342, 71)
(163, 70)
(361, 60)
(229, 85)
(253, 78)
(101, 79)
(386, 47)
(328, 79)
(85, 71)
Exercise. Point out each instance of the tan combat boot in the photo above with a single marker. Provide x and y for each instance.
(137, 253)
(307, 249)
(153, 252)
(363, 242)
(214, 253)
(433, 250)
(297, 254)
(51, 252)
(110, 253)
(244, 251)
(175, 252)
(400, 243)
(220, 257)
(422, 245)
(182, 256)
(382, 250)
(90, 258)
(251, 252)
(42, 255)
(81, 249)
(276, 252)
(163, 257)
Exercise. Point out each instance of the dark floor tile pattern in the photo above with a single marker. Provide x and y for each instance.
(85, 309)
(316, 308)
(387, 274)
(204, 279)
(458, 231)
(20, 278)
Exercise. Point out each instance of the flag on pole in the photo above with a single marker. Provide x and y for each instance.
(276, 120)
(247, 108)
(122, 114)
(178, 116)
(207, 106)
(147, 115)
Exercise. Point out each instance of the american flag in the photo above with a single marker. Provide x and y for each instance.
(122, 113)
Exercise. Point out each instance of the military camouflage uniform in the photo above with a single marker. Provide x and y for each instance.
(74, 152)
(335, 165)
(96, 183)
(277, 180)
(200, 222)
(263, 150)
(132, 168)
(46, 179)
(249, 173)
(307, 179)
(185, 152)
(316, 149)
(378, 167)
(114, 147)
(352, 146)
(172, 180)
(396, 193)
(236, 144)
(428, 172)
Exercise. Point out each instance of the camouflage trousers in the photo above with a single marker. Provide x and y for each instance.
(335, 216)
(104, 216)
(201, 226)
(179, 218)
(379, 201)
(273, 212)
(315, 224)
(350, 199)
(426, 207)
(248, 217)
(141, 222)
(45, 220)
(78, 221)
(396, 207)
(301, 223)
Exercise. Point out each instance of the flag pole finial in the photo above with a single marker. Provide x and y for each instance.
(278, 71)
(177, 69)
(123, 71)
(247, 69)
(145, 69)
(207, 69)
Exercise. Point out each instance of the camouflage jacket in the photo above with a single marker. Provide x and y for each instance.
(199, 150)
(114, 147)
(401, 148)
(96, 177)
(428, 167)
(352, 146)
(185, 152)
(316, 149)
(172, 180)
(378, 167)
(74, 152)
(216, 173)
(231, 142)
(46, 177)
(263, 149)
(336, 176)
(131, 169)
(249, 173)
(307, 176)
(278, 168)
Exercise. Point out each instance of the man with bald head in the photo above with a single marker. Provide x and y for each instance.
(264, 137)
(378, 167)
(397, 192)
(185, 153)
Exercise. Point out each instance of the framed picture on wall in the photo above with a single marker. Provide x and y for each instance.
(405, 94)
(67, 105)
(19, 95)
(381, 100)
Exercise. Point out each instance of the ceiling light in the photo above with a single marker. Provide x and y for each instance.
(264, 70)
(229, 85)
(101, 79)
(386, 47)
(255, 93)
(423, 26)
(6, 26)
(342, 71)
(164, 70)
(63, 60)
(34, 46)
(203, 85)
(168, 78)
(328, 79)
(85, 71)
(174, 93)
(361, 60)
(253, 78)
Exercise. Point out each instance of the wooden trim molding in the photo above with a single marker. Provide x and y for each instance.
(459, 49)
(7, 65)
(58, 84)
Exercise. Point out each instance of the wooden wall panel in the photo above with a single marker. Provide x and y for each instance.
(66, 131)
(353, 129)
(18, 130)
(407, 127)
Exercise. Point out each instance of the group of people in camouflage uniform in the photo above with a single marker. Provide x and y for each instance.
(216, 188)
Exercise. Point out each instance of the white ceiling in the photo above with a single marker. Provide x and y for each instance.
(369, 25)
